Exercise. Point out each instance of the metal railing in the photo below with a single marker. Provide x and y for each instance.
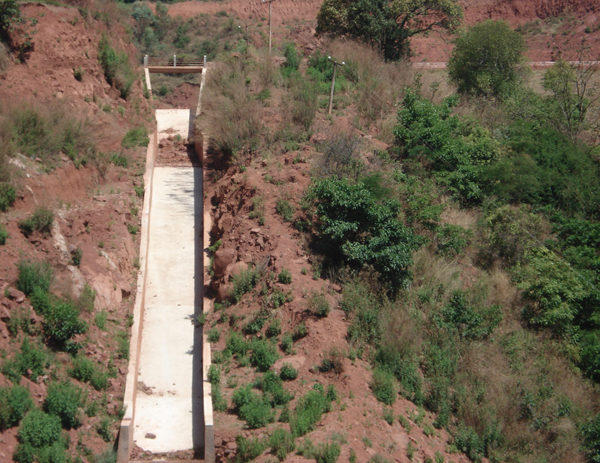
(173, 61)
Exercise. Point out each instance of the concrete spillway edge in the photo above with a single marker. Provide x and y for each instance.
(127, 423)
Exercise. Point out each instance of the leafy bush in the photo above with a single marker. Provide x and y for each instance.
(274, 328)
(264, 354)
(333, 360)
(363, 231)
(39, 429)
(248, 448)
(243, 396)
(285, 276)
(291, 56)
(272, 385)
(288, 372)
(244, 282)
(86, 370)
(236, 344)
(308, 413)
(15, 402)
(300, 331)
(213, 336)
(469, 323)
(287, 344)
(328, 452)
(285, 209)
(62, 322)
(384, 386)
(117, 68)
(405, 367)
(458, 152)
(257, 413)
(451, 240)
(8, 195)
(64, 400)
(485, 59)
(40, 221)
(281, 443)
(34, 275)
(318, 305)
(29, 358)
(135, 137)
(468, 441)
(591, 439)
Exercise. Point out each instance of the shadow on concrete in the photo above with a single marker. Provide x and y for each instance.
(197, 384)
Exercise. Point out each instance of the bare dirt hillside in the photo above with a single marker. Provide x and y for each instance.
(95, 205)
(550, 26)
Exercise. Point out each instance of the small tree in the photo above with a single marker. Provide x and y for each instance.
(485, 58)
(575, 102)
(387, 25)
(9, 13)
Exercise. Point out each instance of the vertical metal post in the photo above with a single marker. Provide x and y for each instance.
(145, 60)
(204, 61)
(335, 65)
(174, 61)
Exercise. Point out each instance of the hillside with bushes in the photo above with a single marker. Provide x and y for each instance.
(411, 278)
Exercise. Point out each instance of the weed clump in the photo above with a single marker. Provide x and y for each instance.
(15, 402)
(135, 137)
(64, 400)
(40, 221)
(117, 68)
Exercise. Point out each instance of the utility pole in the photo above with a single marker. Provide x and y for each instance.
(269, 2)
(335, 65)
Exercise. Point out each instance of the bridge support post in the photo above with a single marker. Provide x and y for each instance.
(204, 61)
(174, 61)
(145, 60)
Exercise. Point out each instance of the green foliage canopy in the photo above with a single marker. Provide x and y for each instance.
(364, 231)
(388, 26)
(485, 58)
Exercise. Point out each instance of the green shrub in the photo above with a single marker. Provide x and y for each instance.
(29, 358)
(272, 385)
(292, 59)
(285, 209)
(117, 68)
(308, 413)
(287, 344)
(328, 452)
(388, 415)
(243, 396)
(256, 323)
(248, 448)
(213, 336)
(39, 429)
(281, 443)
(214, 375)
(274, 328)
(135, 137)
(218, 401)
(15, 402)
(40, 221)
(264, 354)
(78, 73)
(288, 372)
(300, 331)
(62, 322)
(285, 276)
(384, 386)
(87, 299)
(85, 370)
(303, 101)
(244, 282)
(8, 195)
(236, 344)
(64, 400)
(119, 159)
(591, 438)
(123, 345)
(103, 428)
(3, 234)
(451, 240)
(467, 440)
(318, 305)
(34, 275)
(257, 413)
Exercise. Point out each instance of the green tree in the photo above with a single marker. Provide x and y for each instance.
(575, 102)
(365, 232)
(387, 25)
(9, 13)
(485, 58)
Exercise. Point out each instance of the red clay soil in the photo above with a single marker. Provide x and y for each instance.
(95, 207)
(544, 43)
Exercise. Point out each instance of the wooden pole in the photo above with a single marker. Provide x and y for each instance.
(270, 27)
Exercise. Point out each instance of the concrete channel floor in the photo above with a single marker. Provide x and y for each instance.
(169, 396)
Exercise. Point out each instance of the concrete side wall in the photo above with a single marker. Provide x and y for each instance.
(127, 423)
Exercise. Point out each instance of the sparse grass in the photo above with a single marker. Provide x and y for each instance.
(135, 137)
(318, 305)
(40, 221)
(285, 209)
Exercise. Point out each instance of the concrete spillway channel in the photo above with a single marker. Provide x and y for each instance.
(169, 409)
